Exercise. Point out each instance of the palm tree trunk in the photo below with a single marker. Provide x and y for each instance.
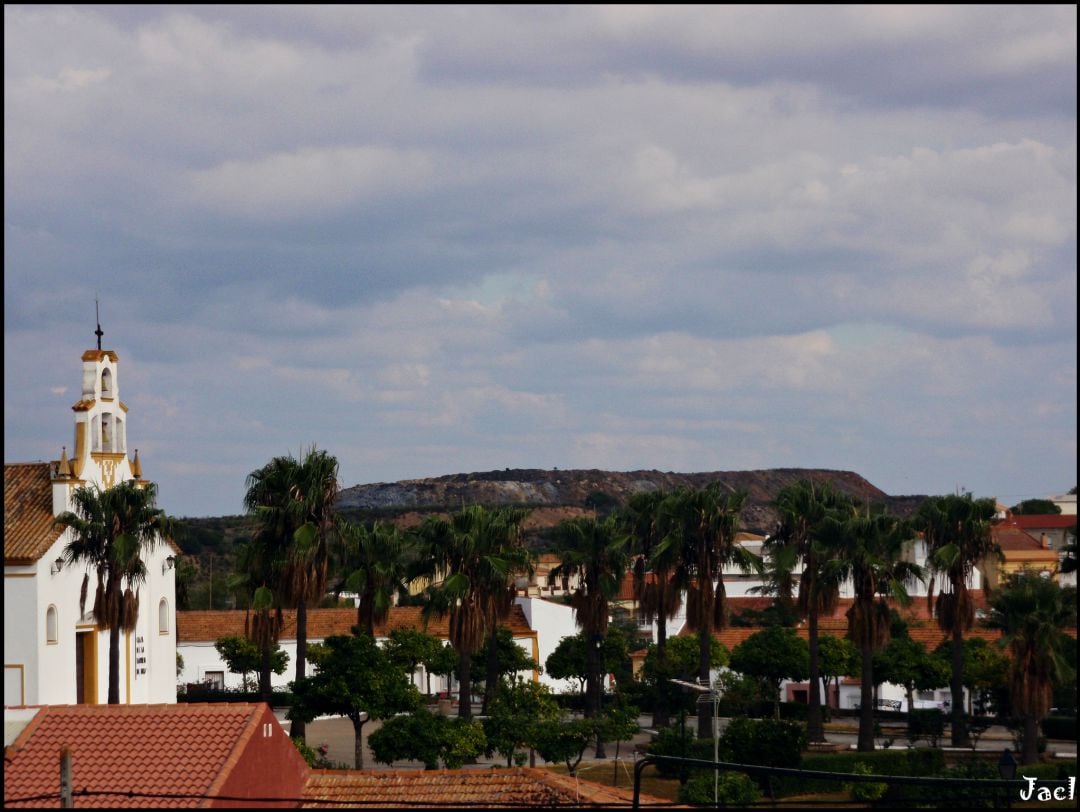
(113, 604)
(661, 713)
(866, 702)
(492, 674)
(960, 736)
(705, 720)
(299, 728)
(1031, 740)
(114, 665)
(265, 691)
(594, 688)
(815, 728)
(465, 686)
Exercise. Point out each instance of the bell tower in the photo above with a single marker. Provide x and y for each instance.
(100, 451)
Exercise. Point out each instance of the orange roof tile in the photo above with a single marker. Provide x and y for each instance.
(1049, 521)
(192, 626)
(157, 750)
(1011, 538)
(28, 518)
(517, 786)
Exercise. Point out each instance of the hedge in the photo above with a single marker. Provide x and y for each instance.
(1059, 727)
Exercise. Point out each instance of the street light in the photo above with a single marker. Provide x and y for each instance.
(714, 695)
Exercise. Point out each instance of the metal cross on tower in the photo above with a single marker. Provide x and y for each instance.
(98, 331)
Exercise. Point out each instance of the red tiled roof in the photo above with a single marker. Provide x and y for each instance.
(192, 626)
(28, 518)
(1012, 539)
(517, 786)
(156, 750)
(1049, 521)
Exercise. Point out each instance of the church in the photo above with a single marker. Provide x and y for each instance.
(53, 653)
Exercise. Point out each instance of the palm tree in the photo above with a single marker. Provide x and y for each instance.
(378, 562)
(1032, 611)
(869, 552)
(258, 567)
(802, 507)
(657, 595)
(704, 525)
(477, 553)
(956, 530)
(294, 501)
(597, 553)
(110, 530)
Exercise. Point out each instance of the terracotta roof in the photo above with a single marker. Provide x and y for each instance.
(517, 786)
(1049, 521)
(29, 531)
(192, 626)
(186, 750)
(1012, 539)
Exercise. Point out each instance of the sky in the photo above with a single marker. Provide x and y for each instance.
(442, 239)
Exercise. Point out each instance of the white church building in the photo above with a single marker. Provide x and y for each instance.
(53, 654)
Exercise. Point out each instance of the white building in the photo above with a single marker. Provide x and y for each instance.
(52, 653)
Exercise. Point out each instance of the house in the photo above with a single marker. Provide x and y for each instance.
(138, 756)
(1020, 550)
(197, 631)
(238, 755)
(53, 652)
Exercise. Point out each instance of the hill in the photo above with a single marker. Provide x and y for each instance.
(557, 492)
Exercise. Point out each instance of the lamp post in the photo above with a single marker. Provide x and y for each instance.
(714, 695)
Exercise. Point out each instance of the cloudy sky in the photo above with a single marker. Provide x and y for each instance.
(443, 239)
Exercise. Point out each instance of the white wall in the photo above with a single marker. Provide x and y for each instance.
(552, 622)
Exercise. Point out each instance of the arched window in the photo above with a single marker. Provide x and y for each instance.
(163, 617)
(51, 625)
(106, 383)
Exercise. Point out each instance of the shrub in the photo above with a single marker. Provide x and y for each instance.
(670, 741)
(865, 790)
(732, 789)
(763, 741)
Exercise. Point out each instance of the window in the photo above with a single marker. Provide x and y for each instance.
(106, 383)
(51, 634)
(214, 679)
(163, 616)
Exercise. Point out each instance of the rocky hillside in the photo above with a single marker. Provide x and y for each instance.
(588, 489)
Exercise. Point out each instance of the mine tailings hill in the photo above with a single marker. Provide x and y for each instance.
(559, 493)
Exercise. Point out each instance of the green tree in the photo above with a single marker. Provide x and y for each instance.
(839, 658)
(355, 677)
(410, 648)
(378, 563)
(110, 529)
(906, 662)
(956, 530)
(1031, 612)
(477, 552)
(242, 656)
(1036, 507)
(294, 502)
(516, 709)
(772, 655)
(566, 740)
(429, 738)
(802, 508)
(597, 553)
(656, 592)
(257, 567)
(510, 658)
(985, 669)
(702, 541)
(569, 659)
(870, 553)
